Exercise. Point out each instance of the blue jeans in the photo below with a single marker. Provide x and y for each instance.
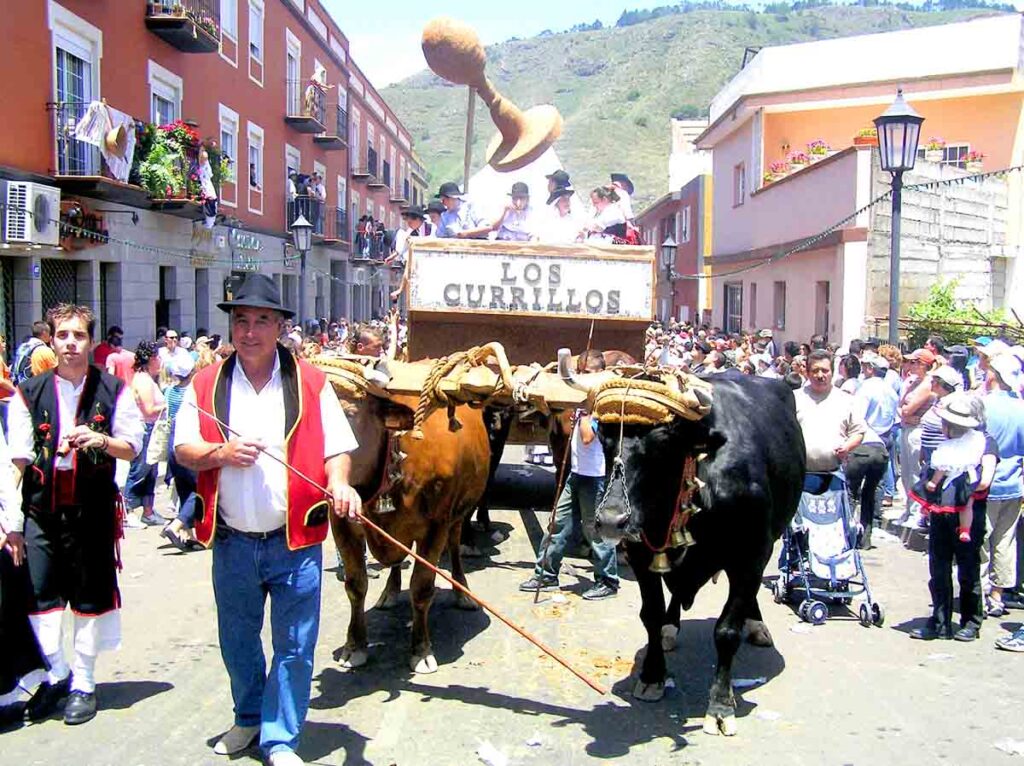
(245, 571)
(184, 486)
(578, 503)
(140, 486)
(892, 440)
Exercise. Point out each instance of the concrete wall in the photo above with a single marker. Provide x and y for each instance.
(956, 231)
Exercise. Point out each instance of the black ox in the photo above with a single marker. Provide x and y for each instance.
(751, 476)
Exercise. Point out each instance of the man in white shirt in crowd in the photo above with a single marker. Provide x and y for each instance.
(172, 349)
(265, 523)
(67, 427)
(577, 504)
(459, 219)
(830, 424)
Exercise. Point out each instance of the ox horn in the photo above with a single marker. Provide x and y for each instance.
(565, 370)
(702, 396)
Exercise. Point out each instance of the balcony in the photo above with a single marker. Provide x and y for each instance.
(336, 136)
(81, 169)
(374, 180)
(305, 110)
(401, 197)
(330, 223)
(370, 245)
(192, 26)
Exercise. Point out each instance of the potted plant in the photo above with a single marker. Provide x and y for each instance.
(768, 178)
(866, 137)
(933, 149)
(798, 160)
(817, 150)
(973, 161)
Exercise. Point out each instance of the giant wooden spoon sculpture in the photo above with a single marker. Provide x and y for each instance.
(453, 51)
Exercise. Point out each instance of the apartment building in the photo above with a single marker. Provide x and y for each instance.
(103, 206)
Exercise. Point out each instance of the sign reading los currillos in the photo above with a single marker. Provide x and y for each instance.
(547, 280)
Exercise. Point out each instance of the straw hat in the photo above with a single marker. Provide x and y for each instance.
(957, 409)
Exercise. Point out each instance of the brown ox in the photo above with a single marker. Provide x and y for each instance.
(442, 478)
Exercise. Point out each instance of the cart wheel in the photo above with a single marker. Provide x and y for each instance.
(779, 591)
(817, 613)
(803, 611)
(865, 615)
(877, 614)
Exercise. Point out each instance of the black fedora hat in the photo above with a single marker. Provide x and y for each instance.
(560, 177)
(622, 178)
(561, 191)
(449, 189)
(519, 189)
(257, 291)
(435, 206)
(414, 211)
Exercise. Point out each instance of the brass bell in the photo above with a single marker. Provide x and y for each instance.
(681, 538)
(659, 564)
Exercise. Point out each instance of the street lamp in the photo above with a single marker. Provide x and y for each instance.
(668, 260)
(899, 130)
(302, 235)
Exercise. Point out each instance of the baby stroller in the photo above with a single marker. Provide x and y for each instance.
(820, 562)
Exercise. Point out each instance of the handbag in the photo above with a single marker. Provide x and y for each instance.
(156, 451)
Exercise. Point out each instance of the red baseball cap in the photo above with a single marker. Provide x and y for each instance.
(923, 355)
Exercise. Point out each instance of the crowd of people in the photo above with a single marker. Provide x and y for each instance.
(939, 427)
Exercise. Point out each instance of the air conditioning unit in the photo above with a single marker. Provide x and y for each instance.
(31, 213)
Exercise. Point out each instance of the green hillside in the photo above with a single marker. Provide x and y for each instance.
(617, 87)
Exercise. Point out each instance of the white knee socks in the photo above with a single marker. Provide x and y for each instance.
(83, 673)
(58, 667)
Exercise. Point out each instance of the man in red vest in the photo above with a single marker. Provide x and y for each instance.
(265, 523)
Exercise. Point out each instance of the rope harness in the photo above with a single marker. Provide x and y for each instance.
(631, 400)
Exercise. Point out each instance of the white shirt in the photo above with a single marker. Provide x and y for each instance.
(625, 203)
(518, 225)
(402, 240)
(165, 355)
(557, 228)
(10, 498)
(255, 499)
(127, 425)
(206, 180)
(587, 459)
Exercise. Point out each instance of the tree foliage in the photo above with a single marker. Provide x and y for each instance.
(955, 320)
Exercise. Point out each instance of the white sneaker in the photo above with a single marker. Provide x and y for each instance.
(131, 521)
(285, 758)
(237, 739)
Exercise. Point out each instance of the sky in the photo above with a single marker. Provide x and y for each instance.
(386, 44)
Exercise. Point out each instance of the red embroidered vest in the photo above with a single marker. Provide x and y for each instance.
(308, 508)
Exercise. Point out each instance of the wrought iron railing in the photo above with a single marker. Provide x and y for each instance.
(370, 245)
(341, 125)
(305, 99)
(309, 207)
(406, 190)
(74, 157)
(205, 13)
(385, 175)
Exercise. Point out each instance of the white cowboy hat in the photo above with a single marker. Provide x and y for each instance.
(956, 409)
(877, 361)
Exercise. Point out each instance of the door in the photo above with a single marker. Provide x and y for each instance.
(74, 92)
(733, 304)
(822, 308)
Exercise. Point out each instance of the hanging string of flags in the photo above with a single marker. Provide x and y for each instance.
(767, 260)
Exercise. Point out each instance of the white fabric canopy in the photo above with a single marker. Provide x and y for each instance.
(489, 189)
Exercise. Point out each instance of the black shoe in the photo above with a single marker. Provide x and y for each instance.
(969, 632)
(929, 633)
(47, 699)
(81, 708)
(12, 716)
(1013, 600)
(544, 582)
(600, 591)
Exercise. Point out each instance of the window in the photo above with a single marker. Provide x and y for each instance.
(739, 184)
(78, 49)
(354, 145)
(733, 306)
(229, 147)
(954, 155)
(753, 305)
(165, 93)
(229, 18)
(293, 73)
(822, 308)
(779, 305)
(256, 30)
(255, 156)
(684, 225)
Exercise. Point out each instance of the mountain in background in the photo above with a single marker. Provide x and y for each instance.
(617, 87)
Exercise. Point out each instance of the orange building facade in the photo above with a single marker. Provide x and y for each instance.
(267, 87)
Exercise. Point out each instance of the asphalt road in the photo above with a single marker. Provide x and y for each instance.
(835, 694)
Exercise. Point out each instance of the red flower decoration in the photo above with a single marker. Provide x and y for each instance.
(97, 418)
(44, 428)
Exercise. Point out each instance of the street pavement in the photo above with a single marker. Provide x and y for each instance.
(833, 694)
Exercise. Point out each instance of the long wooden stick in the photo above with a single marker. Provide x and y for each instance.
(408, 552)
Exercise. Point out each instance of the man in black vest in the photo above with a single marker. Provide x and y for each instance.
(67, 427)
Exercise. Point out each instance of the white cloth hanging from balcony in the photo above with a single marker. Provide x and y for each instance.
(99, 119)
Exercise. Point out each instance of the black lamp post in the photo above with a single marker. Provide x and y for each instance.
(302, 234)
(899, 130)
(668, 261)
